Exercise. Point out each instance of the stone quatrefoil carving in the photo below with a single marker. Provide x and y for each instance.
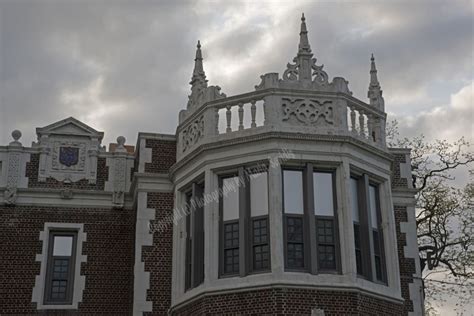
(308, 111)
(193, 133)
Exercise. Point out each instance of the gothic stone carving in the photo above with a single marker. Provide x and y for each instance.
(10, 195)
(70, 156)
(119, 181)
(193, 133)
(308, 111)
(293, 70)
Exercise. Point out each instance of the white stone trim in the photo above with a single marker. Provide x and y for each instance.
(411, 251)
(79, 280)
(144, 155)
(143, 237)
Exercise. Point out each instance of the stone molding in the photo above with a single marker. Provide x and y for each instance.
(80, 139)
(143, 237)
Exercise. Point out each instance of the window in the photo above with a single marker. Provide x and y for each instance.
(323, 195)
(310, 220)
(245, 238)
(293, 218)
(368, 235)
(60, 268)
(259, 221)
(354, 198)
(379, 259)
(194, 260)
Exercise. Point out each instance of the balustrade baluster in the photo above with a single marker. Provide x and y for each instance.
(228, 115)
(353, 120)
(253, 111)
(370, 127)
(241, 116)
(217, 120)
(361, 123)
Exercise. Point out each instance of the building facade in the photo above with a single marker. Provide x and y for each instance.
(284, 200)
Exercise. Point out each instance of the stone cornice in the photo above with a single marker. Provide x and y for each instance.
(272, 135)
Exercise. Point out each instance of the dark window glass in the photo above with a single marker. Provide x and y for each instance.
(295, 246)
(231, 248)
(189, 243)
(358, 252)
(378, 257)
(326, 244)
(261, 251)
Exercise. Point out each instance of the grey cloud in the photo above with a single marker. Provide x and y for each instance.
(144, 53)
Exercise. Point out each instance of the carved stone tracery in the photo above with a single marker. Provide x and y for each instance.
(308, 111)
(193, 133)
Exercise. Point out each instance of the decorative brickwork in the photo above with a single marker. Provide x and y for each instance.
(397, 180)
(163, 155)
(158, 258)
(407, 265)
(50, 183)
(109, 250)
(290, 301)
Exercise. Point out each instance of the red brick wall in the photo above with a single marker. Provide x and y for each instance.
(290, 301)
(158, 257)
(32, 168)
(109, 249)
(407, 265)
(397, 180)
(163, 155)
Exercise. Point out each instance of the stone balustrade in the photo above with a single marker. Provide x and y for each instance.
(281, 110)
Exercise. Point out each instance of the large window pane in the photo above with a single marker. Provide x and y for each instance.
(231, 198)
(62, 246)
(373, 206)
(293, 191)
(258, 194)
(354, 199)
(323, 194)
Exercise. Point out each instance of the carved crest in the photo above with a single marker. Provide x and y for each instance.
(69, 156)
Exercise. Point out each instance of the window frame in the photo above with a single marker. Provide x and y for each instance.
(309, 218)
(47, 299)
(194, 272)
(286, 216)
(366, 231)
(245, 221)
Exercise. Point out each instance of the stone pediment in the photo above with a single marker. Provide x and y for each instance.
(68, 151)
(69, 127)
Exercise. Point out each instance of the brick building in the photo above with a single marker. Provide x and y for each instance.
(284, 200)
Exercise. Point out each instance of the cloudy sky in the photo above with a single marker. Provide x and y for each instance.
(124, 67)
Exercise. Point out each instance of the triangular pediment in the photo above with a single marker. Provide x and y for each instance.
(70, 127)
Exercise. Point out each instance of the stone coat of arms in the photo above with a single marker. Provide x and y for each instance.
(69, 156)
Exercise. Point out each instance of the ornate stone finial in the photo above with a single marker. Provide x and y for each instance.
(198, 79)
(121, 144)
(375, 91)
(304, 67)
(373, 72)
(304, 47)
(16, 135)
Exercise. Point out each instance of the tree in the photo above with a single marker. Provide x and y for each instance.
(444, 214)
